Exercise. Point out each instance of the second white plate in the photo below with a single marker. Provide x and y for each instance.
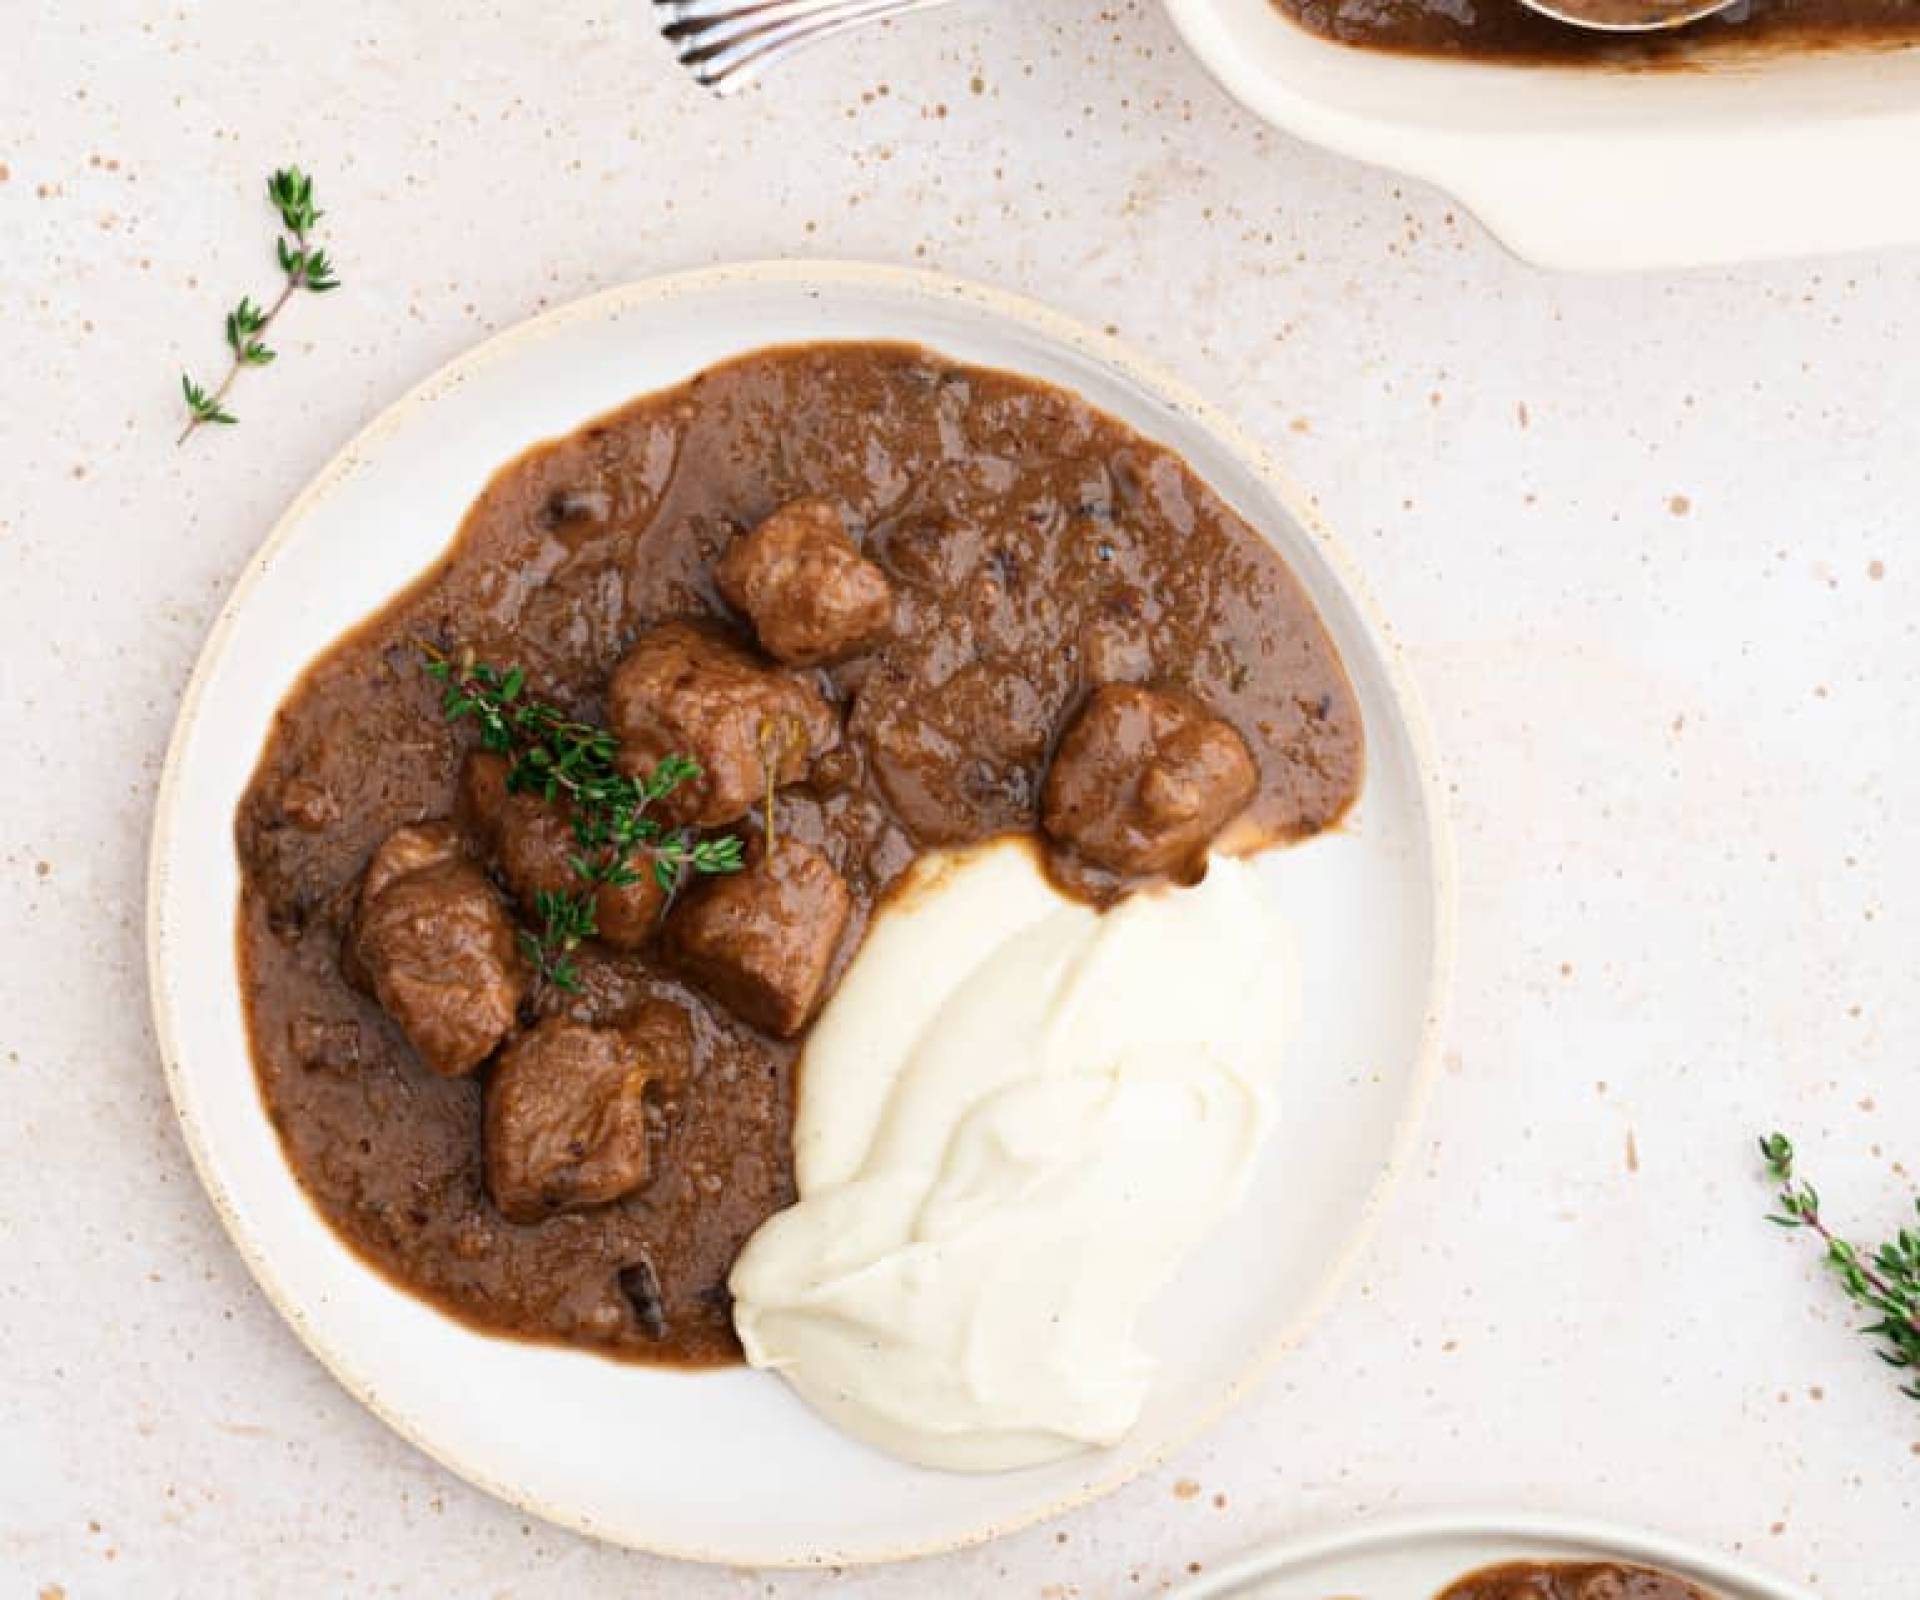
(1415, 1558)
(1774, 153)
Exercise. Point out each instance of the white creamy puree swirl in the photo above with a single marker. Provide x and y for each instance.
(1016, 1117)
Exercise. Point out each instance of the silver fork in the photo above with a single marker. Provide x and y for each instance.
(727, 43)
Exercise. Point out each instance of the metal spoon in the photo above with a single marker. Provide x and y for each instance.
(1629, 16)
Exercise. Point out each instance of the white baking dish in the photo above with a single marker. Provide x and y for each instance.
(1604, 169)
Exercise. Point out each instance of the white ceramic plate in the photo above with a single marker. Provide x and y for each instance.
(728, 1466)
(1415, 1558)
(1598, 169)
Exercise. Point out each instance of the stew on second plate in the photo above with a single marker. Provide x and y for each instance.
(1506, 30)
(1571, 1580)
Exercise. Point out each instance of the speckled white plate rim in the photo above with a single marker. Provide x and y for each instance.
(1102, 349)
(1579, 1536)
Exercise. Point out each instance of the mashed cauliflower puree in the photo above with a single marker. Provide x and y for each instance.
(1016, 1117)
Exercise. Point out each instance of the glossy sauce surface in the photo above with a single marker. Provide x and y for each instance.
(1571, 1580)
(1036, 548)
(1507, 30)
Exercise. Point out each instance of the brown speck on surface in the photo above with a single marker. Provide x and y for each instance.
(1193, 1566)
(1219, 1502)
(1185, 1489)
(1679, 504)
(53, 1591)
(42, 869)
(1300, 425)
(1816, 1393)
(1876, 570)
(1633, 1152)
(1566, 969)
(1777, 1529)
(1522, 415)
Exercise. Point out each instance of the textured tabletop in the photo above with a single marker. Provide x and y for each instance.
(1650, 546)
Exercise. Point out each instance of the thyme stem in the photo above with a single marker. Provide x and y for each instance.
(291, 192)
(209, 408)
(561, 758)
(1884, 1281)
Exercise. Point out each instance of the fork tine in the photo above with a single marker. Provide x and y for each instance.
(687, 17)
(726, 43)
(707, 32)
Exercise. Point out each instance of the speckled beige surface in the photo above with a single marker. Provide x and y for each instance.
(1650, 544)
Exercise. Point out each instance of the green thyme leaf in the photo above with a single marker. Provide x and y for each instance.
(1884, 1281)
(570, 762)
(290, 191)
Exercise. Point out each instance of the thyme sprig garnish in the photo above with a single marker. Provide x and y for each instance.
(565, 760)
(567, 921)
(302, 266)
(777, 738)
(1884, 1281)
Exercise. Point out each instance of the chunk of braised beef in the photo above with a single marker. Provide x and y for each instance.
(434, 945)
(528, 839)
(802, 582)
(408, 850)
(932, 552)
(567, 1109)
(762, 940)
(533, 845)
(1144, 780)
(686, 690)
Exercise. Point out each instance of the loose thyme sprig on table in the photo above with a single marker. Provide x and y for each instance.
(302, 267)
(559, 757)
(1885, 1281)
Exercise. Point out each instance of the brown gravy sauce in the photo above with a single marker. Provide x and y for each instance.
(1506, 30)
(1571, 1580)
(1037, 546)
